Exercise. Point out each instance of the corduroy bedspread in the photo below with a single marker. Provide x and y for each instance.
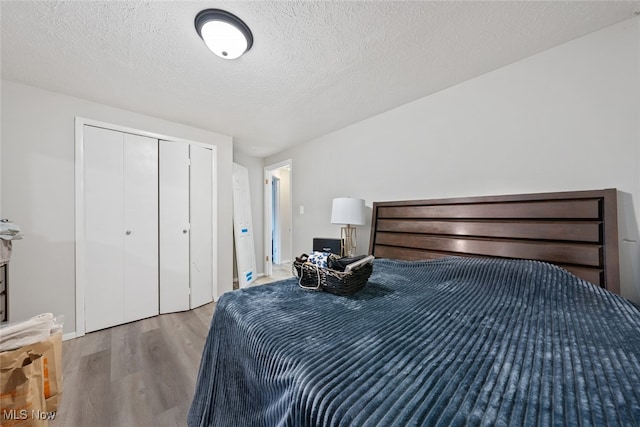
(453, 341)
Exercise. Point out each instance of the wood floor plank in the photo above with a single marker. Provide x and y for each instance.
(185, 334)
(176, 416)
(161, 372)
(96, 397)
(148, 324)
(205, 313)
(131, 402)
(95, 342)
(126, 357)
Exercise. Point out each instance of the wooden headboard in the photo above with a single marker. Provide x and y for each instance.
(576, 230)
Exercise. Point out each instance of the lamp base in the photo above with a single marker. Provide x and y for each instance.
(348, 240)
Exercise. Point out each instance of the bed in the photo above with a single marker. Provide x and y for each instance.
(480, 311)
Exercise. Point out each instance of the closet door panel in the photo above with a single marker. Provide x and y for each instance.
(140, 233)
(201, 244)
(103, 228)
(174, 226)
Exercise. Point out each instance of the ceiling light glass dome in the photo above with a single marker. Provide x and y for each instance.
(224, 33)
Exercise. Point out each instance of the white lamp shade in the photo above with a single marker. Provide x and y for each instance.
(346, 210)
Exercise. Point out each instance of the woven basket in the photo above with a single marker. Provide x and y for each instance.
(312, 277)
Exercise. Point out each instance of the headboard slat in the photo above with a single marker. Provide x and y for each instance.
(582, 254)
(578, 209)
(537, 230)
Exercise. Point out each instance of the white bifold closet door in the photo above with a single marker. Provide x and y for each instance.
(201, 213)
(174, 227)
(186, 227)
(121, 227)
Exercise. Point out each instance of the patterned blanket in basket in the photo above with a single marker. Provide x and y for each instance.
(455, 341)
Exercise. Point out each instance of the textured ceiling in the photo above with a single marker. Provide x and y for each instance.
(315, 66)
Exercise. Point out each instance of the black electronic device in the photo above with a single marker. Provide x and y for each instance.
(327, 245)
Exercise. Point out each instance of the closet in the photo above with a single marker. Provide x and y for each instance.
(147, 209)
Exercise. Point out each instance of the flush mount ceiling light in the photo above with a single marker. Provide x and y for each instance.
(224, 33)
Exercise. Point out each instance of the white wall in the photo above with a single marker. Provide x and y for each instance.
(563, 120)
(255, 166)
(38, 192)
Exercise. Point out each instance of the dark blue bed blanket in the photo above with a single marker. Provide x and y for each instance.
(452, 341)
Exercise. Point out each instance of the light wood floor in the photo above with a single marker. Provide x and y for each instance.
(279, 272)
(141, 374)
(134, 375)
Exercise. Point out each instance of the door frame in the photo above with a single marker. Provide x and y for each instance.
(268, 229)
(275, 220)
(80, 122)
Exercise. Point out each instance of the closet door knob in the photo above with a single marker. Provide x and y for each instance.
(128, 232)
(185, 231)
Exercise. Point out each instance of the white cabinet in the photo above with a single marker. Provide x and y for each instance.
(120, 227)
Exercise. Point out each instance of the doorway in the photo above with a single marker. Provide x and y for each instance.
(275, 219)
(278, 218)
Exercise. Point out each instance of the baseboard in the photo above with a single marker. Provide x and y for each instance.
(69, 336)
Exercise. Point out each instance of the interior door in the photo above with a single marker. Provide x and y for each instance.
(103, 228)
(201, 214)
(174, 226)
(140, 194)
(243, 226)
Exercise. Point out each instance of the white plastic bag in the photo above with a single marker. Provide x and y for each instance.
(18, 334)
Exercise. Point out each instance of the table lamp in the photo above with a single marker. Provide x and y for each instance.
(348, 212)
